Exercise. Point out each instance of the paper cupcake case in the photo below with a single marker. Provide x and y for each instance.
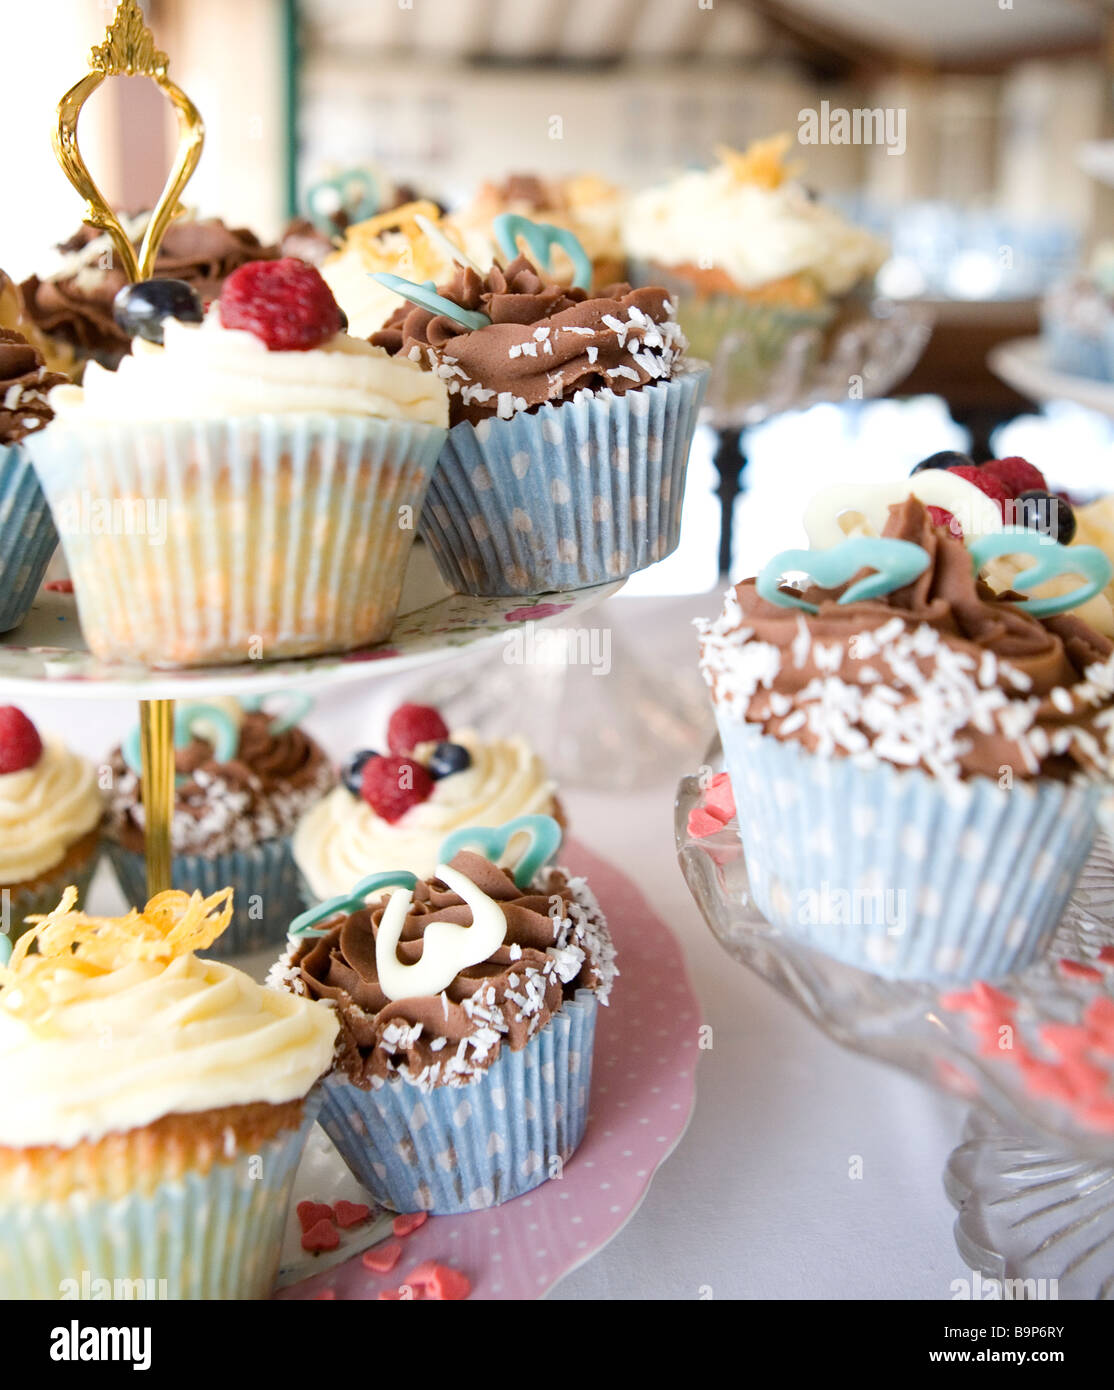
(264, 880)
(207, 1235)
(743, 340)
(45, 896)
(567, 496)
(223, 541)
(27, 535)
(899, 873)
(457, 1149)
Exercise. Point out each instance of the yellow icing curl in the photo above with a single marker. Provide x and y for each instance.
(172, 924)
(763, 162)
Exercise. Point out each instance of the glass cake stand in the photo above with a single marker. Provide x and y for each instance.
(1033, 1179)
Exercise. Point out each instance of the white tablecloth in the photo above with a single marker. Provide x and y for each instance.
(758, 1200)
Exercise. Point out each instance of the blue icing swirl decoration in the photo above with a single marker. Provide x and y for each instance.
(896, 563)
(540, 239)
(305, 924)
(355, 192)
(426, 297)
(492, 842)
(1052, 560)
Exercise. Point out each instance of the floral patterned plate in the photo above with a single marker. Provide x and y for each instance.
(432, 623)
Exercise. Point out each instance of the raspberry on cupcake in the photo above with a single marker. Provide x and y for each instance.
(393, 809)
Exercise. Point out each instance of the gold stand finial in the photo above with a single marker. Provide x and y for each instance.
(129, 48)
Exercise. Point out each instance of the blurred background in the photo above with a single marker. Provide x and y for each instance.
(1006, 108)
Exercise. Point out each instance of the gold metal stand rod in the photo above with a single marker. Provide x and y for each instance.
(156, 724)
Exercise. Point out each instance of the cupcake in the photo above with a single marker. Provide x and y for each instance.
(27, 535)
(244, 777)
(751, 257)
(155, 1108)
(392, 243)
(394, 811)
(571, 421)
(467, 1008)
(263, 470)
(73, 307)
(1077, 320)
(917, 760)
(583, 204)
(50, 817)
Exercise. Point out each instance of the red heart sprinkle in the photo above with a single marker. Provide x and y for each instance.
(439, 1283)
(350, 1214)
(380, 1259)
(322, 1236)
(310, 1213)
(408, 1222)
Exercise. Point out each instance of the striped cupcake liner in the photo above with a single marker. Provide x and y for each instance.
(45, 896)
(27, 536)
(744, 341)
(900, 873)
(264, 879)
(198, 542)
(214, 1235)
(464, 1148)
(567, 496)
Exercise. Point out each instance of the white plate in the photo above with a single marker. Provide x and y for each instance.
(1023, 364)
(433, 623)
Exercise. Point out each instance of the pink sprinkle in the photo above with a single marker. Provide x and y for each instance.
(439, 1282)
(380, 1259)
(1068, 1039)
(1106, 955)
(702, 823)
(1045, 1079)
(993, 999)
(310, 1213)
(1077, 969)
(350, 1214)
(322, 1236)
(719, 799)
(59, 586)
(409, 1221)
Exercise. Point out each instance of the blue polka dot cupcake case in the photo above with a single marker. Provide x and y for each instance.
(27, 534)
(918, 760)
(571, 420)
(467, 1005)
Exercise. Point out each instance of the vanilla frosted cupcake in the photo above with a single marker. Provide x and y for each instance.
(244, 778)
(267, 469)
(751, 256)
(50, 816)
(155, 1106)
(372, 823)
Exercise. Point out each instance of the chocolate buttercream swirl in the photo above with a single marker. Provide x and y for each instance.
(24, 384)
(556, 943)
(76, 304)
(260, 794)
(544, 343)
(943, 674)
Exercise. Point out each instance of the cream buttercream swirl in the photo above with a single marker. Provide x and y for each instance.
(120, 1050)
(204, 371)
(711, 218)
(341, 839)
(44, 809)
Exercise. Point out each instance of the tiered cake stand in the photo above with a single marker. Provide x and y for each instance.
(1033, 1179)
(1023, 364)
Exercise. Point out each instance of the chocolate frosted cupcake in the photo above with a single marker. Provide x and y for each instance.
(74, 305)
(244, 779)
(456, 1085)
(572, 418)
(917, 771)
(27, 534)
